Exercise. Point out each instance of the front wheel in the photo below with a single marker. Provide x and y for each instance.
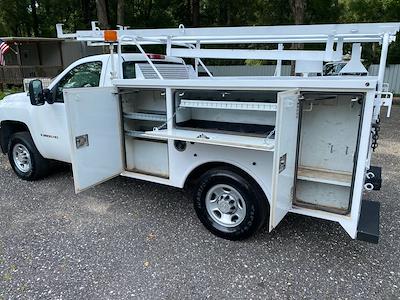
(25, 159)
(229, 205)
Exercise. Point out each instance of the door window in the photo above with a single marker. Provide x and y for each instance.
(84, 75)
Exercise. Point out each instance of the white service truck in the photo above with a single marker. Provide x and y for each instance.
(250, 149)
(33, 135)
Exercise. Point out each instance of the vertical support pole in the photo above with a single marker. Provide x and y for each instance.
(329, 54)
(381, 75)
(170, 107)
(196, 60)
(278, 69)
(169, 46)
(2, 79)
(60, 48)
(382, 64)
(39, 72)
(339, 50)
(112, 61)
(18, 55)
(20, 76)
(39, 54)
(119, 67)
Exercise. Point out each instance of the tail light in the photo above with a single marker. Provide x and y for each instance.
(156, 56)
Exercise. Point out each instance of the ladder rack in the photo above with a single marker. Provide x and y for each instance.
(187, 43)
(191, 39)
(349, 33)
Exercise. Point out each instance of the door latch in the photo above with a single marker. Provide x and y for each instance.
(282, 163)
(82, 141)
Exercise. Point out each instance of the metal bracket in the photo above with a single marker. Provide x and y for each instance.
(387, 100)
(282, 162)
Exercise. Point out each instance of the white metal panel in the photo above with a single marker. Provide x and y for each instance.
(261, 83)
(168, 71)
(329, 132)
(258, 164)
(284, 164)
(323, 195)
(254, 106)
(309, 55)
(234, 116)
(148, 157)
(94, 112)
(245, 70)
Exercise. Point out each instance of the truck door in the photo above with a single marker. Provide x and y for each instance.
(94, 125)
(284, 165)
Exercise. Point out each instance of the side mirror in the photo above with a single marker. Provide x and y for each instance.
(36, 92)
(48, 96)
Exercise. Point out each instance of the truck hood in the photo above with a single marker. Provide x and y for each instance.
(20, 97)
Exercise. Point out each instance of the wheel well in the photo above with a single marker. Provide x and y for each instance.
(193, 177)
(7, 129)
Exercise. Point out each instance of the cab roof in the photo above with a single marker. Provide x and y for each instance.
(135, 57)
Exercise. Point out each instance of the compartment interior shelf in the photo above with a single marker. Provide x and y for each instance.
(324, 176)
(146, 116)
(142, 134)
(238, 141)
(254, 106)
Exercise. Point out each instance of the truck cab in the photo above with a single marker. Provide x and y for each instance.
(32, 135)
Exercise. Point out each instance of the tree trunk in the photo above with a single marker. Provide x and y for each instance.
(102, 17)
(147, 12)
(298, 8)
(121, 12)
(188, 13)
(195, 13)
(35, 23)
(85, 12)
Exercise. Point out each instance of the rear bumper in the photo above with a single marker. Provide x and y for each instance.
(368, 224)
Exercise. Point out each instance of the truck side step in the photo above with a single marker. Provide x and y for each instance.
(368, 225)
(377, 179)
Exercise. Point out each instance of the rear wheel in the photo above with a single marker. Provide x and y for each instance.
(229, 205)
(25, 159)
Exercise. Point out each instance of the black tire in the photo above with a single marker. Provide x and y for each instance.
(256, 206)
(39, 165)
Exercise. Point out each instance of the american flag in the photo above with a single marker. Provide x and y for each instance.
(3, 50)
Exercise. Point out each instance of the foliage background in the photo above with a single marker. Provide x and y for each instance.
(38, 17)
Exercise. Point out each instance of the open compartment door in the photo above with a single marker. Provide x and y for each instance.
(94, 125)
(284, 165)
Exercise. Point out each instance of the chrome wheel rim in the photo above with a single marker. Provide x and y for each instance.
(225, 205)
(22, 158)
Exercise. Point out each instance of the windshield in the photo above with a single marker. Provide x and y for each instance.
(333, 69)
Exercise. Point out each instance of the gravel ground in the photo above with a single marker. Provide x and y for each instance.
(131, 239)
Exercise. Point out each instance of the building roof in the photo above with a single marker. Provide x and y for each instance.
(30, 39)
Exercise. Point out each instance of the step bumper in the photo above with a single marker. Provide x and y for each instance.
(368, 224)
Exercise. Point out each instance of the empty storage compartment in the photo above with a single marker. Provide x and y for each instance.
(147, 156)
(237, 112)
(327, 150)
(143, 110)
